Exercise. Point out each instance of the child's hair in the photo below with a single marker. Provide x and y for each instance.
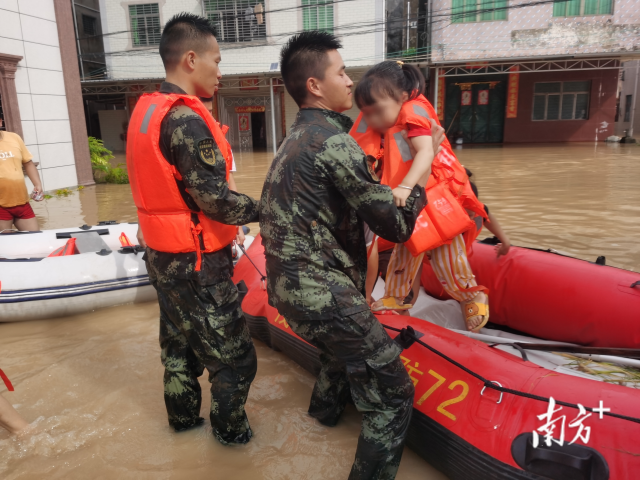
(473, 185)
(390, 79)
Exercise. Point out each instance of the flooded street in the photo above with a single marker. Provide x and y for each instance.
(92, 384)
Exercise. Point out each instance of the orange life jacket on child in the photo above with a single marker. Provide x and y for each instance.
(164, 217)
(448, 189)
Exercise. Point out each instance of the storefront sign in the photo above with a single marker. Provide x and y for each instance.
(250, 109)
(483, 97)
(512, 92)
(244, 124)
(441, 93)
(466, 98)
(249, 84)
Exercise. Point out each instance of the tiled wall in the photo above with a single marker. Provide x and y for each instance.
(352, 20)
(28, 29)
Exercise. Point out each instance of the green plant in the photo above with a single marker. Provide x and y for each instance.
(80, 187)
(47, 197)
(117, 175)
(103, 171)
(100, 155)
(63, 192)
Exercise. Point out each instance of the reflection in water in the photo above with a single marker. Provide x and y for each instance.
(93, 383)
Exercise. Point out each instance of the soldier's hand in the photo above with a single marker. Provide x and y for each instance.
(437, 136)
(140, 238)
(240, 236)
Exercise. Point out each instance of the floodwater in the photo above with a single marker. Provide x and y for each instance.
(92, 384)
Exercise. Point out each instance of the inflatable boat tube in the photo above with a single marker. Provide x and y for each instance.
(476, 407)
(555, 297)
(35, 286)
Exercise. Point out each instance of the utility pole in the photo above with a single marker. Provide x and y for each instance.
(635, 101)
(273, 118)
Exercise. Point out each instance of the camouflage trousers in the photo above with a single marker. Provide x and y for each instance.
(359, 357)
(203, 327)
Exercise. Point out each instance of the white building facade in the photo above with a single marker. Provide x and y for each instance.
(40, 96)
(251, 34)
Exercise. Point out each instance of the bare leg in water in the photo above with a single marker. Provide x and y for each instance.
(10, 419)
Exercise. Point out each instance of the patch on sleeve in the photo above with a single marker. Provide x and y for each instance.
(206, 151)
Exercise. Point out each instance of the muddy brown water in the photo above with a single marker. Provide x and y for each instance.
(92, 384)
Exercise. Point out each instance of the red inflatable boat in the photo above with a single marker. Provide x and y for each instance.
(479, 410)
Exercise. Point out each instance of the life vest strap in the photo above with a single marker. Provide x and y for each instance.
(176, 173)
(195, 231)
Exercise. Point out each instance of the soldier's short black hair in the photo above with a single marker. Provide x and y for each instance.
(305, 56)
(184, 32)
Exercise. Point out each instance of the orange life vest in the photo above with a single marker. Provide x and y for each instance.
(164, 217)
(448, 187)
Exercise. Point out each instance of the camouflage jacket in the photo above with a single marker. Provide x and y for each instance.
(182, 131)
(317, 193)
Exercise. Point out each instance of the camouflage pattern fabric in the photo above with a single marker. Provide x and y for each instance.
(201, 323)
(358, 357)
(187, 143)
(203, 327)
(317, 194)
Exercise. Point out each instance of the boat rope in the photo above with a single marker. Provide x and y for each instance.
(263, 277)
(409, 332)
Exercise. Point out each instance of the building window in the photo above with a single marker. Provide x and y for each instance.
(88, 25)
(237, 20)
(317, 15)
(627, 108)
(577, 8)
(145, 24)
(478, 10)
(561, 100)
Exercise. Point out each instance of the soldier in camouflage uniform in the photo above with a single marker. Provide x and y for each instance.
(317, 194)
(201, 322)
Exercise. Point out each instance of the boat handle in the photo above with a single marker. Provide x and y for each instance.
(497, 383)
(635, 284)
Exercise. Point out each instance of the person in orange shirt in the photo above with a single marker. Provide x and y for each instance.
(14, 197)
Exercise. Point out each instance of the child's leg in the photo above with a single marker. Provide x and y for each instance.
(451, 266)
(416, 282)
(401, 273)
(10, 418)
(372, 271)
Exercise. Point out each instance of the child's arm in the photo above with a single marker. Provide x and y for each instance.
(372, 272)
(494, 227)
(420, 167)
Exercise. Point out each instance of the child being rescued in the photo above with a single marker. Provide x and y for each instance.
(394, 129)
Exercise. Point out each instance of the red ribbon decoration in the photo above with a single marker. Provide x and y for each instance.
(6, 380)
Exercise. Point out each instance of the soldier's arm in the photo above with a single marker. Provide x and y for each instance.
(202, 167)
(344, 164)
